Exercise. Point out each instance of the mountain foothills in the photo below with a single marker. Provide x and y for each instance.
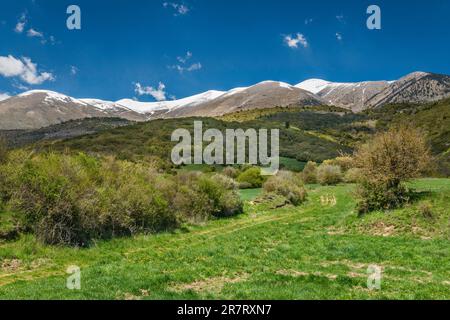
(318, 120)
(39, 108)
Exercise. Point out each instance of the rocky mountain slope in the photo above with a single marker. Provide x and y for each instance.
(353, 96)
(417, 87)
(38, 108)
(267, 94)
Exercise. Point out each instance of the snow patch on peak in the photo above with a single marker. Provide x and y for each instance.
(149, 107)
(279, 83)
(100, 104)
(313, 85)
(4, 96)
(51, 96)
(46, 92)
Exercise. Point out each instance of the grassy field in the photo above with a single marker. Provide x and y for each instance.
(319, 250)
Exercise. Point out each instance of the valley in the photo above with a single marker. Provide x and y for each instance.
(314, 251)
(245, 245)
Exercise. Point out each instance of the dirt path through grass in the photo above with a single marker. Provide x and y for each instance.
(287, 253)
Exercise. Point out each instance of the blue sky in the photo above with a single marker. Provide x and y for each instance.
(195, 45)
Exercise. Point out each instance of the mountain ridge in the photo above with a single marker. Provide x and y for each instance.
(40, 108)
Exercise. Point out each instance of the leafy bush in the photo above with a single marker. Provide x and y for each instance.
(222, 191)
(353, 175)
(71, 200)
(329, 174)
(344, 162)
(386, 162)
(288, 185)
(309, 174)
(231, 172)
(375, 196)
(251, 178)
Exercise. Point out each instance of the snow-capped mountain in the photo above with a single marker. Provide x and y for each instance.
(41, 108)
(266, 94)
(416, 87)
(354, 96)
(151, 107)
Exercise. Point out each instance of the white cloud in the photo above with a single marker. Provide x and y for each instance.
(4, 96)
(294, 41)
(340, 18)
(20, 86)
(185, 58)
(180, 9)
(34, 33)
(73, 70)
(23, 68)
(339, 36)
(158, 93)
(308, 21)
(183, 66)
(194, 67)
(20, 26)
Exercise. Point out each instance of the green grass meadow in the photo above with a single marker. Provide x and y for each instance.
(319, 250)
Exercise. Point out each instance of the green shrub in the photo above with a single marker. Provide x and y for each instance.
(73, 199)
(9, 226)
(222, 191)
(251, 178)
(70, 200)
(288, 185)
(375, 196)
(309, 174)
(353, 175)
(388, 161)
(329, 174)
(344, 162)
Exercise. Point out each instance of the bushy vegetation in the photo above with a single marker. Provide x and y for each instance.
(73, 199)
(288, 185)
(309, 174)
(153, 139)
(387, 162)
(251, 178)
(344, 162)
(353, 175)
(231, 172)
(329, 174)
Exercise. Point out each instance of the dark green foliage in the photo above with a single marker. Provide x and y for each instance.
(66, 130)
(153, 139)
(378, 196)
(9, 226)
(251, 178)
(291, 164)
